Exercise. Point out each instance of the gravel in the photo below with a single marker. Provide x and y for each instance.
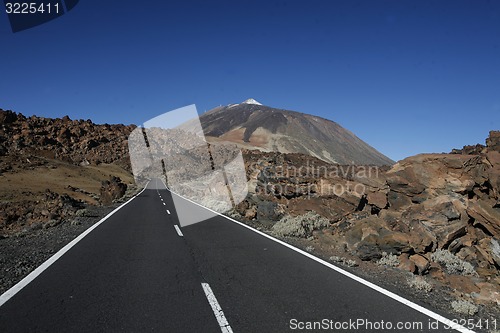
(22, 253)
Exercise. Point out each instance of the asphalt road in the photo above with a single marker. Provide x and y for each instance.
(135, 273)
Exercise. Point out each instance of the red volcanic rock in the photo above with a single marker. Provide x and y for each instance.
(68, 140)
(493, 141)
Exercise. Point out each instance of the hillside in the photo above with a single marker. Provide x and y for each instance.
(52, 168)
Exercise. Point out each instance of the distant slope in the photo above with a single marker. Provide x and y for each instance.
(256, 126)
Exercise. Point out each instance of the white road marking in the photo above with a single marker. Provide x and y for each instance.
(168, 212)
(179, 232)
(30, 277)
(219, 314)
(164, 204)
(447, 322)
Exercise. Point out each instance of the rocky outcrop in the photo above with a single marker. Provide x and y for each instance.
(440, 201)
(47, 212)
(420, 206)
(111, 190)
(76, 141)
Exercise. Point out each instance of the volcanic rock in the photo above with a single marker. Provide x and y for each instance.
(111, 190)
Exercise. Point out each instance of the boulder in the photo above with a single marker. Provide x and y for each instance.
(485, 215)
(368, 249)
(394, 242)
(493, 141)
(421, 263)
(436, 271)
(489, 249)
(446, 232)
(406, 264)
(398, 200)
(111, 190)
(421, 239)
(378, 199)
(371, 236)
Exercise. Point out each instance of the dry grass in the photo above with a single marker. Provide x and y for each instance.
(56, 176)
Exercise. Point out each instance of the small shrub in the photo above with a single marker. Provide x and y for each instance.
(350, 263)
(336, 259)
(310, 248)
(82, 212)
(390, 260)
(341, 260)
(299, 226)
(464, 307)
(452, 263)
(419, 283)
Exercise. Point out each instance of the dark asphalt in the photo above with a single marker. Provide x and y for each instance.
(133, 273)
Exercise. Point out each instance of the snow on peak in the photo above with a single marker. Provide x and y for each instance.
(251, 101)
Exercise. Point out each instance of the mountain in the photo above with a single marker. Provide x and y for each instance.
(255, 126)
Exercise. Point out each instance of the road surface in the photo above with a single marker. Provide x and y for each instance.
(140, 271)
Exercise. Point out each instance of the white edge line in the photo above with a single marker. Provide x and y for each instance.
(419, 308)
(219, 314)
(46, 264)
(179, 232)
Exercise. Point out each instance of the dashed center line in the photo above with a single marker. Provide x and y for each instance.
(168, 212)
(164, 204)
(219, 314)
(179, 232)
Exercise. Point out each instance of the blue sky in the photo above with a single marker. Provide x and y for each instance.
(405, 76)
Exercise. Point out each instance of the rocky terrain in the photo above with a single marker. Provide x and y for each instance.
(436, 216)
(431, 221)
(52, 168)
(79, 142)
